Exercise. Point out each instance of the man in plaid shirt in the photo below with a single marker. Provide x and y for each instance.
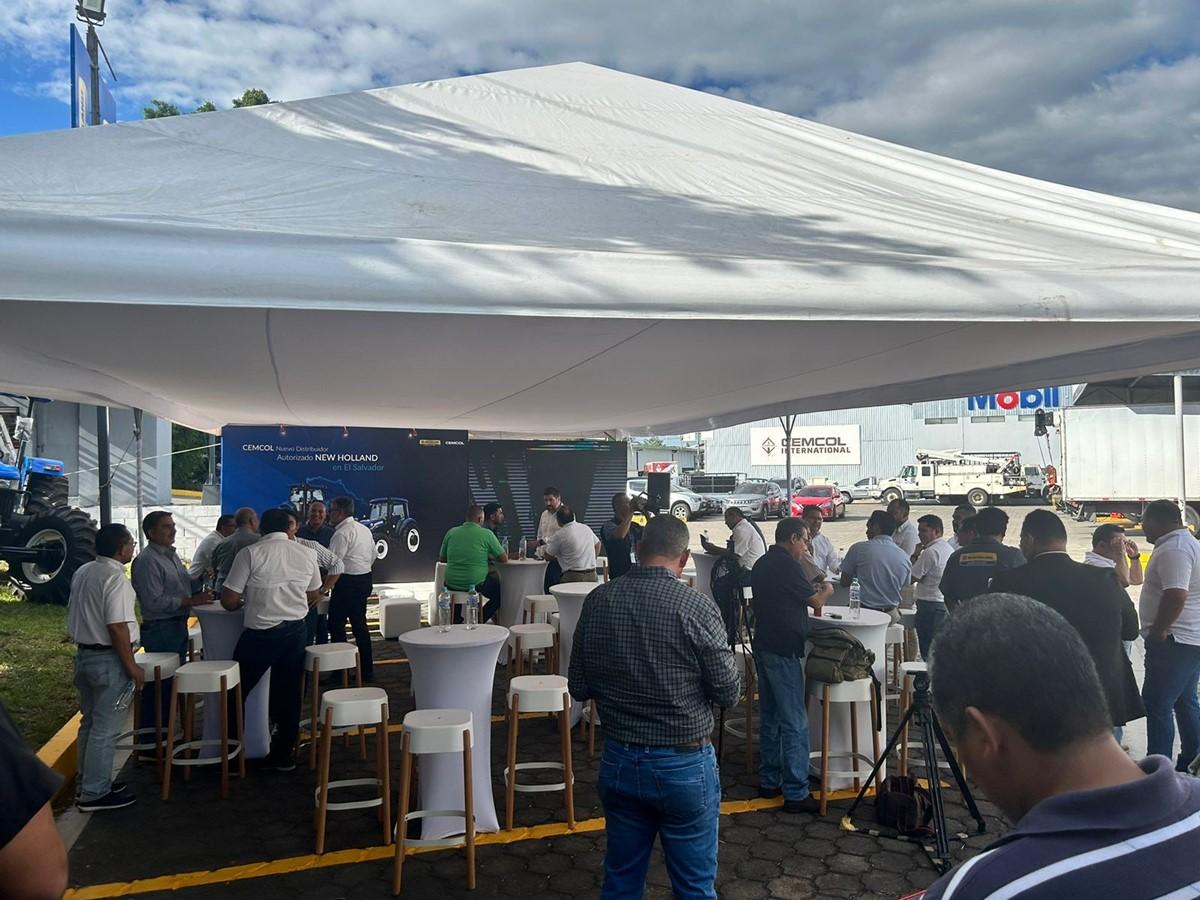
(654, 655)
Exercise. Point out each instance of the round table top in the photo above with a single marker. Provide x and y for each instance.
(523, 562)
(458, 636)
(215, 609)
(867, 618)
(574, 588)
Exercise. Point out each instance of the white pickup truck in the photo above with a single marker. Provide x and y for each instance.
(951, 474)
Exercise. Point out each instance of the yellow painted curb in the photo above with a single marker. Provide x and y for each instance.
(61, 753)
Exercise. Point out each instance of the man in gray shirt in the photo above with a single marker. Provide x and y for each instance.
(226, 552)
(883, 570)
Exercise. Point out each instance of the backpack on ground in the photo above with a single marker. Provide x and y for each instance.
(904, 806)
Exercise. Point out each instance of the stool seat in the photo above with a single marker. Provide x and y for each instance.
(914, 667)
(334, 657)
(895, 634)
(437, 730)
(908, 617)
(204, 677)
(354, 706)
(195, 641)
(538, 604)
(539, 693)
(860, 690)
(166, 663)
(534, 636)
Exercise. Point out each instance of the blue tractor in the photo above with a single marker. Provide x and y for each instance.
(390, 524)
(43, 541)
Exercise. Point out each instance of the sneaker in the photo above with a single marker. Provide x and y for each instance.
(807, 805)
(111, 800)
(119, 787)
(285, 763)
(769, 793)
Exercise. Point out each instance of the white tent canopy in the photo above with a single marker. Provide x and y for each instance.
(564, 249)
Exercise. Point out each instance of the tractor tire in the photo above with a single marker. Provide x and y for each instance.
(978, 497)
(75, 531)
(889, 495)
(411, 538)
(44, 494)
(382, 545)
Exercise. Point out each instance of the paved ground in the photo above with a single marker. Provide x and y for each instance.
(264, 829)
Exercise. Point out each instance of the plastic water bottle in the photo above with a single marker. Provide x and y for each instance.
(125, 699)
(855, 599)
(520, 548)
(472, 608)
(443, 610)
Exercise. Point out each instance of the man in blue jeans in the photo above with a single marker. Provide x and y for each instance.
(654, 655)
(782, 595)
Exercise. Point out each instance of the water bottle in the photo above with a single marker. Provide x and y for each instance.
(472, 608)
(443, 610)
(125, 699)
(855, 599)
(520, 548)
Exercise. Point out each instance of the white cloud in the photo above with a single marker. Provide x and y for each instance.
(1097, 93)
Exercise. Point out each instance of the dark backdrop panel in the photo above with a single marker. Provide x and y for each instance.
(264, 466)
(515, 473)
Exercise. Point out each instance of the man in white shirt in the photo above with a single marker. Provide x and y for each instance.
(574, 547)
(962, 512)
(547, 526)
(202, 562)
(276, 581)
(1112, 550)
(731, 572)
(927, 576)
(821, 552)
(102, 624)
(353, 544)
(316, 625)
(1170, 615)
(905, 535)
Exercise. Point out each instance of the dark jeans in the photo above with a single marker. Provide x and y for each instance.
(162, 636)
(316, 628)
(784, 720)
(489, 588)
(553, 576)
(1172, 670)
(349, 601)
(280, 649)
(664, 792)
(929, 619)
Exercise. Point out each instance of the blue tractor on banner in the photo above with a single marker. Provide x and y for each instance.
(43, 540)
(390, 524)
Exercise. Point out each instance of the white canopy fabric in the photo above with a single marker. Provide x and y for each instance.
(558, 250)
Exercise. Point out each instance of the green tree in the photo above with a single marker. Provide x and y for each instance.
(251, 97)
(652, 443)
(206, 106)
(159, 109)
(189, 469)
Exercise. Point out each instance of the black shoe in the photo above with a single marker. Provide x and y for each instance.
(282, 763)
(769, 793)
(119, 787)
(807, 805)
(111, 800)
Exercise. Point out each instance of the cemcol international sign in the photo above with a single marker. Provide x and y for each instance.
(811, 445)
(1036, 398)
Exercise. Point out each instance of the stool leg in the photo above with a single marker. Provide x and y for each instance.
(224, 732)
(189, 718)
(564, 727)
(323, 776)
(510, 781)
(402, 815)
(385, 775)
(520, 657)
(749, 718)
(314, 711)
(469, 809)
(239, 717)
(166, 790)
(876, 724)
(346, 684)
(591, 727)
(296, 749)
(825, 704)
(362, 734)
(854, 742)
(158, 722)
(903, 708)
(137, 719)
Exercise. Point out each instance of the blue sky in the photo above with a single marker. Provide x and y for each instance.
(1101, 94)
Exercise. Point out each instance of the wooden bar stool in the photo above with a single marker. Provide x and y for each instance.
(851, 693)
(322, 659)
(908, 618)
(435, 731)
(745, 730)
(195, 643)
(157, 667)
(206, 677)
(909, 671)
(894, 648)
(527, 639)
(591, 717)
(539, 693)
(348, 708)
(535, 605)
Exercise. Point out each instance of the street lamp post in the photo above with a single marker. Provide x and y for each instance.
(91, 13)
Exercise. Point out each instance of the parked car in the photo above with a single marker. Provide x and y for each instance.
(826, 497)
(684, 504)
(863, 489)
(797, 482)
(756, 499)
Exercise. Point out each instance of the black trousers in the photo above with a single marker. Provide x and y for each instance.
(280, 649)
(349, 602)
(489, 588)
(553, 576)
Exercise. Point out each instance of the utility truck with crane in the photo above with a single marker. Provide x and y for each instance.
(978, 476)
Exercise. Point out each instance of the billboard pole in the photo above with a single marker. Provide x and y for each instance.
(788, 422)
(93, 49)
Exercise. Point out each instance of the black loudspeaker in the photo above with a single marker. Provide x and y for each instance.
(658, 491)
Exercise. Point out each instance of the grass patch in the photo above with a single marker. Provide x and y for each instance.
(37, 666)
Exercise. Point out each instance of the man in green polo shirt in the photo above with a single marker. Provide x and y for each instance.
(466, 551)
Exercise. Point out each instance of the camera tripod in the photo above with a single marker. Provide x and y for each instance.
(932, 737)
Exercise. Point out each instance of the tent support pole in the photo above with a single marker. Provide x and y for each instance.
(137, 435)
(103, 475)
(788, 422)
(1178, 384)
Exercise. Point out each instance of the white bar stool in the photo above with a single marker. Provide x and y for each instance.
(908, 618)
(909, 671)
(539, 693)
(745, 730)
(206, 677)
(398, 613)
(894, 642)
(860, 690)
(321, 659)
(343, 709)
(157, 667)
(536, 605)
(602, 567)
(526, 639)
(435, 731)
(195, 643)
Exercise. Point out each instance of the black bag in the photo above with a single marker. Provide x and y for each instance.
(904, 805)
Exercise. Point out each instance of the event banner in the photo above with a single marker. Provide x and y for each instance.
(811, 445)
(409, 487)
(516, 473)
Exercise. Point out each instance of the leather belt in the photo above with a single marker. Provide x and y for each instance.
(94, 646)
(694, 745)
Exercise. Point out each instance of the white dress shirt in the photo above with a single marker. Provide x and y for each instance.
(906, 537)
(353, 545)
(1174, 565)
(274, 576)
(824, 555)
(101, 595)
(1092, 558)
(202, 558)
(547, 526)
(748, 546)
(325, 557)
(928, 569)
(574, 546)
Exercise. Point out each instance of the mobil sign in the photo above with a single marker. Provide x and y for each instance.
(1034, 398)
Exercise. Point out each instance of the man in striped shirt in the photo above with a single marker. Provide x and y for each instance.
(1014, 685)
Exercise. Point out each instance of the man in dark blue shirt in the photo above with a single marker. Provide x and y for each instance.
(782, 595)
(315, 527)
(620, 536)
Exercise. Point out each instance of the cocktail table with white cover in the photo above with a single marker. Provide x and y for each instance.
(221, 629)
(570, 597)
(518, 579)
(456, 669)
(871, 630)
(704, 563)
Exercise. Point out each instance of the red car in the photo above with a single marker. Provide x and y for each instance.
(825, 497)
